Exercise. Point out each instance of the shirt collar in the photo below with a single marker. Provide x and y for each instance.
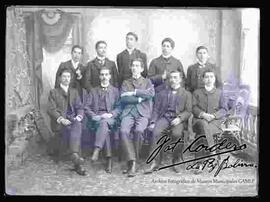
(130, 51)
(137, 78)
(209, 89)
(75, 64)
(166, 56)
(201, 64)
(65, 88)
(104, 86)
(100, 58)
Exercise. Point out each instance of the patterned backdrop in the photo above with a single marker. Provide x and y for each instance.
(19, 74)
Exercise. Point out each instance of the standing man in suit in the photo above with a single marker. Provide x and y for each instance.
(172, 109)
(160, 67)
(92, 78)
(77, 70)
(209, 109)
(125, 57)
(66, 112)
(135, 114)
(195, 71)
(102, 111)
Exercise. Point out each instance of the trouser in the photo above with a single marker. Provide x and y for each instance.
(69, 137)
(103, 138)
(203, 128)
(131, 143)
(176, 132)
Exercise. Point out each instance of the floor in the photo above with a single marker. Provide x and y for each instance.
(40, 175)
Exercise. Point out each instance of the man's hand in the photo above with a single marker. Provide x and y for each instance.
(164, 75)
(79, 74)
(96, 117)
(106, 116)
(65, 122)
(129, 93)
(176, 121)
(208, 117)
(151, 126)
(78, 118)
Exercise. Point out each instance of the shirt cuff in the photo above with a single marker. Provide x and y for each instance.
(59, 119)
(79, 77)
(200, 115)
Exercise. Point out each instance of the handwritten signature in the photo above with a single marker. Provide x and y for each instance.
(222, 147)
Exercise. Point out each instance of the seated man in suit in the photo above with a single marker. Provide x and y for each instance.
(172, 109)
(66, 112)
(102, 110)
(161, 67)
(77, 70)
(195, 71)
(209, 109)
(135, 115)
(125, 57)
(91, 78)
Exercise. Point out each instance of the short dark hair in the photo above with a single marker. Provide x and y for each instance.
(176, 71)
(99, 42)
(168, 40)
(133, 34)
(137, 59)
(104, 68)
(201, 47)
(76, 46)
(65, 69)
(209, 70)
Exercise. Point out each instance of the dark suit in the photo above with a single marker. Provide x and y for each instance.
(91, 77)
(211, 102)
(157, 68)
(167, 107)
(195, 76)
(67, 105)
(136, 115)
(123, 63)
(74, 82)
(104, 126)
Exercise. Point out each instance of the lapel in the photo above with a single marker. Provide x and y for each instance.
(96, 63)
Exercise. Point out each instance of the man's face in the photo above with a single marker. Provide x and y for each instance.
(76, 54)
(166, 48)
(130, 41)
(65, 78)
(101, 50)
(209, 78)
(202, 55)
(105, 75)
(175, 79)
(136, 68)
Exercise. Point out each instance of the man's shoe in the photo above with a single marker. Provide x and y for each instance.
(108, 168)
(153, 167)
(80, 170)
(77, 160)
(132, 171)
(125, 171)
(95, 154)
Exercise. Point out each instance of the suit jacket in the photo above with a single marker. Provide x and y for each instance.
(74, 82)
(91, 76)
(112, 97)
(194, 76)
(183, 104)
(158, 65)
(58, 106)
(145, 89)
(123, 63)
(212, 102)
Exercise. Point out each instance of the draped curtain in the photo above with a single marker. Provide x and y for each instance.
(51, 37)
(19, 74)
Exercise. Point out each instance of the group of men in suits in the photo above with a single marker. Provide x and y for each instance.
(133, 98)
